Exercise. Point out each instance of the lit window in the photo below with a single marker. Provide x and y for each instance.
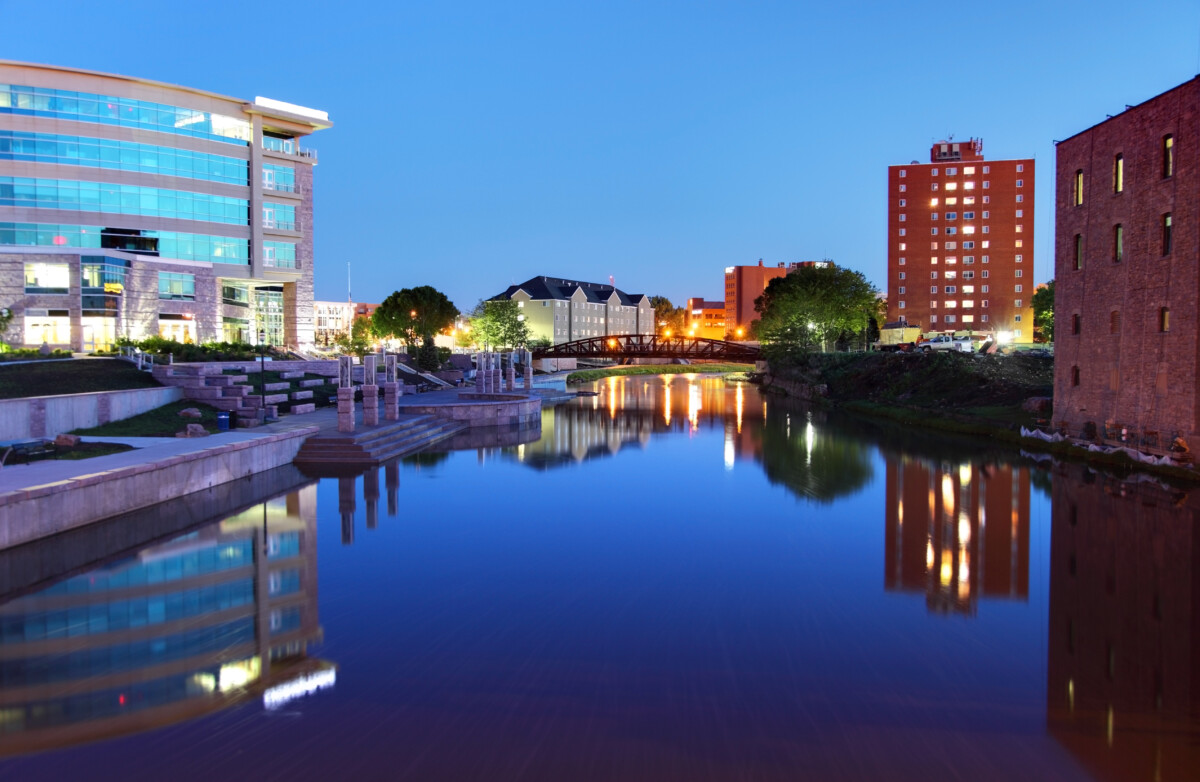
(1020, 258)
(903, 246)
(951, 259)
(950, 305)
(968, 170)
(951, 185)
(967, 303)
(933, 202)
(1076, 189)
(968, 318)
(933, 260)
(1118, 173)
(967, 200)
(1164, 319)
(968, 185)
(952, 201)
(1166, 234)
(1017, 303)
(950, 274)
(984, 244)
(1168, 156)
(968, 289)
(968, 229)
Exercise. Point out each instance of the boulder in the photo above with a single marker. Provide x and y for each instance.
(69, 440)
(190, 412)
(193, 430)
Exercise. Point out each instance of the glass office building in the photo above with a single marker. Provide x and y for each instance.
(131, 208)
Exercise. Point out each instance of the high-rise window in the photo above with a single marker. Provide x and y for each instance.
(1075, 323)
(1168, 156)
(1164, 319)
(1166, 234)
(1118, 173)
(1078, 259)
(1118, 243)
(1114, 322)
(1077, 189)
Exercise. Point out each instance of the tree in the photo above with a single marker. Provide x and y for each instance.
(499, 324)
(414, 313)
(1043, 311)
(358, 341)
(6, 319)
(668, 317)
(427, 356)
(804, 309)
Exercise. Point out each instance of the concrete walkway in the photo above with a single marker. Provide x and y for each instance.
(16, 477)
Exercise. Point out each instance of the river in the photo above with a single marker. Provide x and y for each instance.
(675, 579)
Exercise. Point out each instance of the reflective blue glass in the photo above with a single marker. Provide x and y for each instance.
(124, 156)
(122, 199)
(281, 255)
(181, 287)
(171, 244)
(125, 112)
(282, 216)
(279, 178)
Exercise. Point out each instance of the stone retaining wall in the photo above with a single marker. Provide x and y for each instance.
(33, 513)
(43, 417)
(494, 410)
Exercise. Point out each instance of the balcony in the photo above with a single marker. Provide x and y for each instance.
(280, 225)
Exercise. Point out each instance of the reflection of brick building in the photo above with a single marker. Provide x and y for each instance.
(178, 631)
(1123, 669)
(957, 533)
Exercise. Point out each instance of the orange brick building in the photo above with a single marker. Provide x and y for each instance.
(744, 284)
(960, 242)
(706, 318)
(1126, 251)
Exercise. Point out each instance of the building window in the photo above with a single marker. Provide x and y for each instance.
(903, 188)
(1018, 273)
(967, 259)
(951, 216)
(1017, 303)
(1075, 323)
(180, 287)
(902, 260)
(903, 232)
(984, 303)
(902, 275)
(1017, 288)
(950, 230)
(984, 289)
(1017, 319)
(1074, 376)
(969, 245)
(985, 274)
(47, 278)
(901, 291)
(1020, 183)
(933, 275)
(1168, 156)
(933, 186)
(903, 218)
(969, 215)
(1020, 229)
(1164, 319)
(951, 172)
(934, 216)
(933, 289)
(1020, 213)
(1118, 243)
(933, 318)
(933, 231)
(1076, 189)
(968, 275)
(1114, 322)
(951, 289)
(933, 171)
(903, 246)
(985, 258)
(1019, 243)
(983, 318)
(951, 318)
(1118, 173)
(1166, 234)
(903, 173)
(1020, 258)
(1020, 198)
(903, 203)
(987, 184)
(1078, 259)
(901, 303)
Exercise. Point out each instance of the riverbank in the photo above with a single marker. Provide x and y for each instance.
(979, 396)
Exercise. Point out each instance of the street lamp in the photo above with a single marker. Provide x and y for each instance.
(262, 371)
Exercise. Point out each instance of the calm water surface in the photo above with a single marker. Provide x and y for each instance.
(675, 579)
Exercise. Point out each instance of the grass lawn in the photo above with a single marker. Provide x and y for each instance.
(588, 375)
(164, 421)
(72, 452)
(76, 376)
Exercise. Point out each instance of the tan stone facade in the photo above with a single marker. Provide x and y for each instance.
(178, 187)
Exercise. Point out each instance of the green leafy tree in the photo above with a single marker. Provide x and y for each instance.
(427, 357)
(499, 324)
(807, 308)
(668, 317)
(412, 314)
(1043, 312)
(6, 319)
(360, 339)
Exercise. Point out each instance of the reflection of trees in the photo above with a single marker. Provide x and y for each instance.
(811, 460)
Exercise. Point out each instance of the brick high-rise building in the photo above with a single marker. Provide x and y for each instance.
(744, 284)
(1127, 200)
(960, 242)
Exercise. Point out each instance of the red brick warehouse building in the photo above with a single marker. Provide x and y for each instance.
(960, 242)
(1127, 201)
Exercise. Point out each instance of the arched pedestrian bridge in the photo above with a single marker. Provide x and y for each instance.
(649, 346)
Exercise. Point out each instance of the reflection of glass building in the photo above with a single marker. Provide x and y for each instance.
(180, 630)
(1123, 668)
(956, 532)
(131, 208)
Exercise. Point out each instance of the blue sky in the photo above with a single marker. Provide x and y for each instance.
(477, 144)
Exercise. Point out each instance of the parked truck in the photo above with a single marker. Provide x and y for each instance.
(947, 342)
(897, 336)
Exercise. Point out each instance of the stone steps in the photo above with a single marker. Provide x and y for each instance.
(376, 445)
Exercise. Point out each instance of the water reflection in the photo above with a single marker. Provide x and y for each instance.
(1123, 669)
(956, 532)
(178, 630)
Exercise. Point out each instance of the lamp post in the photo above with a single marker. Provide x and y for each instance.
(262, 371)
